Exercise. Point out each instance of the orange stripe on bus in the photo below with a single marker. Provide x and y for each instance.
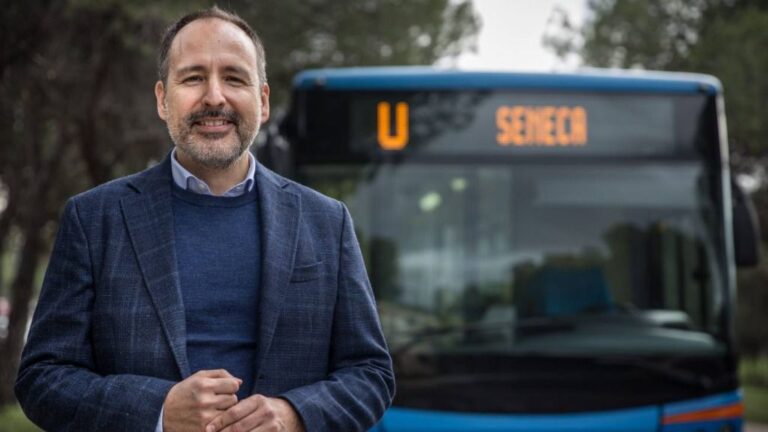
(720, 413)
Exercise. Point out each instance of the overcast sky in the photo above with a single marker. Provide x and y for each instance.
(511, 35)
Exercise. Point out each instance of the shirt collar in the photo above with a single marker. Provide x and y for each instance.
(187, 181)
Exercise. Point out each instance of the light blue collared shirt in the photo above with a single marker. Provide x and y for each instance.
(187, 181)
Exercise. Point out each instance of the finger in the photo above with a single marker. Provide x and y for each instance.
(251, 422)
(214, 373)
(228, 417)
(223, 385)
(224, 402)
(235, 413)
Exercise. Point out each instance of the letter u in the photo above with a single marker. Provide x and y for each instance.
(399, 139)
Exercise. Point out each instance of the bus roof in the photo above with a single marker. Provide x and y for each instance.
(428, 78)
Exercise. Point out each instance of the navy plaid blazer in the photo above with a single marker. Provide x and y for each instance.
(107, 340)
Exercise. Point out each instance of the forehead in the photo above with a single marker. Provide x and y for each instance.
(211, 39)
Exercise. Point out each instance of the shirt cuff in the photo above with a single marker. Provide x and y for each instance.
(159, 427)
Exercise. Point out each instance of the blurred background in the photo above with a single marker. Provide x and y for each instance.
(76, 79)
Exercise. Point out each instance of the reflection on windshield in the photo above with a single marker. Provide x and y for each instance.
(554, 260)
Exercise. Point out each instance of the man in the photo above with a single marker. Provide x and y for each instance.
(206, 293)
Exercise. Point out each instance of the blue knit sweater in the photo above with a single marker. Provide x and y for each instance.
(218, 251)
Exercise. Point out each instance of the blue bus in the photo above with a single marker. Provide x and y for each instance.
(549, 252)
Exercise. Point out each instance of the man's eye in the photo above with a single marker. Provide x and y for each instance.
(192, 79)
(235, 80)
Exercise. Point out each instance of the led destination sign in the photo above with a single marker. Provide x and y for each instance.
(543, 125)
(501, 123)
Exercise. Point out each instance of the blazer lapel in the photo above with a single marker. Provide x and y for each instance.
(149, 218)
(279, 212)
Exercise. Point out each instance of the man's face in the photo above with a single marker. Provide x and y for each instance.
(213, 102)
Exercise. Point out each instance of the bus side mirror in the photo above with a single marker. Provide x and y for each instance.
(746, 230)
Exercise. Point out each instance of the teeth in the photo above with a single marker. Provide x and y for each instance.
(213, 122)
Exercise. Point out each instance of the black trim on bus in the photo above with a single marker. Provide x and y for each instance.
(319, 160)
(501, 384)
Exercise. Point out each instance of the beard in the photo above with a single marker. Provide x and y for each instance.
(218, 150)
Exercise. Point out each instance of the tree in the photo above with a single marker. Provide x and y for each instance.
(732, 47)
(725, 38)
(65, 126)
(652, 34)
(322, 33)
(76, 78)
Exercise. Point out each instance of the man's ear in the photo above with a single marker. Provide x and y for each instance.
(264, 103)
(162, 109)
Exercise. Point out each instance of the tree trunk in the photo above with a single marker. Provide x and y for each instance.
(22, 291)
(6, 221)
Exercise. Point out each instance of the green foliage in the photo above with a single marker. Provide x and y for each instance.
(751, 328)
(755, 403)
(301, 34)
(12, 419)
(654, 34)
(733, 48)
(753, 372)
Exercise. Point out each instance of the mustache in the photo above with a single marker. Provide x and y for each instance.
(230, 116)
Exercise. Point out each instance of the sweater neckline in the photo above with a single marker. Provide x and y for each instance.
(202, 200)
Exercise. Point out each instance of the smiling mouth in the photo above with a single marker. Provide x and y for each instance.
(213, 122)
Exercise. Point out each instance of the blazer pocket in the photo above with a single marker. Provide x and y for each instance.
(306, 273)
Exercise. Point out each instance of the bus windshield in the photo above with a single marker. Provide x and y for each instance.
(554, 259)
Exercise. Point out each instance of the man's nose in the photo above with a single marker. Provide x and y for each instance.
(214, 93)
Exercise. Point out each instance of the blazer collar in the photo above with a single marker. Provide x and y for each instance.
(148, 216)
(280, 211)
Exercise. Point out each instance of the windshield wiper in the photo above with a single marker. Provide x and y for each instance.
(541, 325)
(502, 331)
(435, 332)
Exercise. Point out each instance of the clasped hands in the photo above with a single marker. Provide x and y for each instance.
(207, 402)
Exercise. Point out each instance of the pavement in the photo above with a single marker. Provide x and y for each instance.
(755, 427)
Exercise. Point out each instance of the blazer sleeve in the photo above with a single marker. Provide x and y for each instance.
(361, 383)
(58, 386)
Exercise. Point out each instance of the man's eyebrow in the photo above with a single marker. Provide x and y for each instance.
(190, 69)
(236, 70)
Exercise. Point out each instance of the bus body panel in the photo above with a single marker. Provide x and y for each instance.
(418, 78)
(644, 419)
(631, 420)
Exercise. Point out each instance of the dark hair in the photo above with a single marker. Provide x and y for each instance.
(213, 12)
